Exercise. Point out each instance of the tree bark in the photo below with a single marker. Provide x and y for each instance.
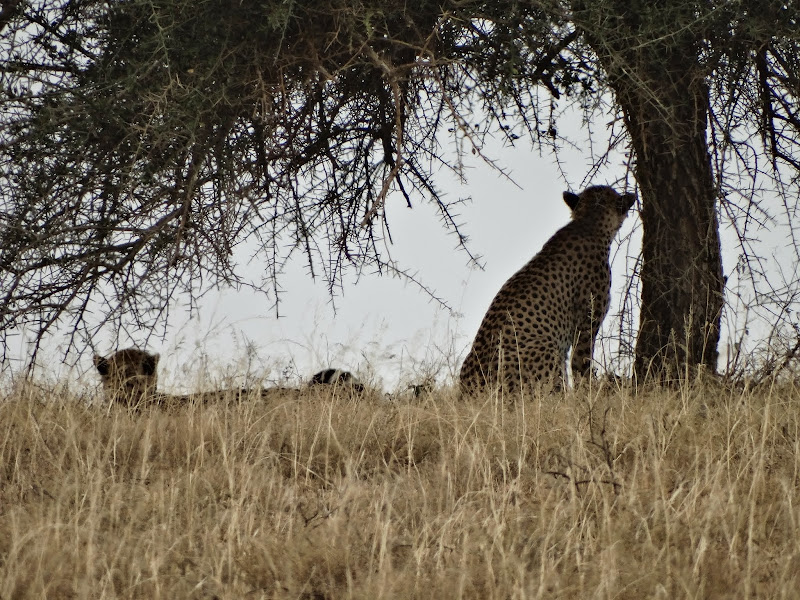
(682, 281)
(661, 88)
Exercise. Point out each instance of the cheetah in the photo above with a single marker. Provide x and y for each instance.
(553, 303)
(337, 377)
(128, 376)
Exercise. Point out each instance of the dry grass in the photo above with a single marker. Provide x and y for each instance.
(684, 494)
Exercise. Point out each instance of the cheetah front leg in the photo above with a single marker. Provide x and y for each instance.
(586, 333)
(582, 351)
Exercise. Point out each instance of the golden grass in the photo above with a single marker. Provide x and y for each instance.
(692, 493)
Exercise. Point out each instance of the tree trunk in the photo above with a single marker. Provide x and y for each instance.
(682, 282)
(661, 88)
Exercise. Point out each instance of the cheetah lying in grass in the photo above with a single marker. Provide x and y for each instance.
(338, 378)
(130, 378)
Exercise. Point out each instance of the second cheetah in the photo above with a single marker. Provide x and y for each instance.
(129, 378)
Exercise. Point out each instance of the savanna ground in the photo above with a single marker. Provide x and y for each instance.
(688, 493)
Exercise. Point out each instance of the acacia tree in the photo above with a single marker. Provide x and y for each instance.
(142, 141)
(652, 57)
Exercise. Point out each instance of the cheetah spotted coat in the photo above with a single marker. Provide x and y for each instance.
(555, 302)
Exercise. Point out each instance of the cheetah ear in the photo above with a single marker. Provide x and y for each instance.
(571, 200)
(149, 364)
(101, 364)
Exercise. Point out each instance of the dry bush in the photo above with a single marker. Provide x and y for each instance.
(669, 494)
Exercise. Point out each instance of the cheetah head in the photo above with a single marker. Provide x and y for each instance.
(598, 200)
(128, 376)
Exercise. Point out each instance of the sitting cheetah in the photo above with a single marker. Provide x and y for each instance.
(554, 302)
(128, 376)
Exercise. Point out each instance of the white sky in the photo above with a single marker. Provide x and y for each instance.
(386, 330)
